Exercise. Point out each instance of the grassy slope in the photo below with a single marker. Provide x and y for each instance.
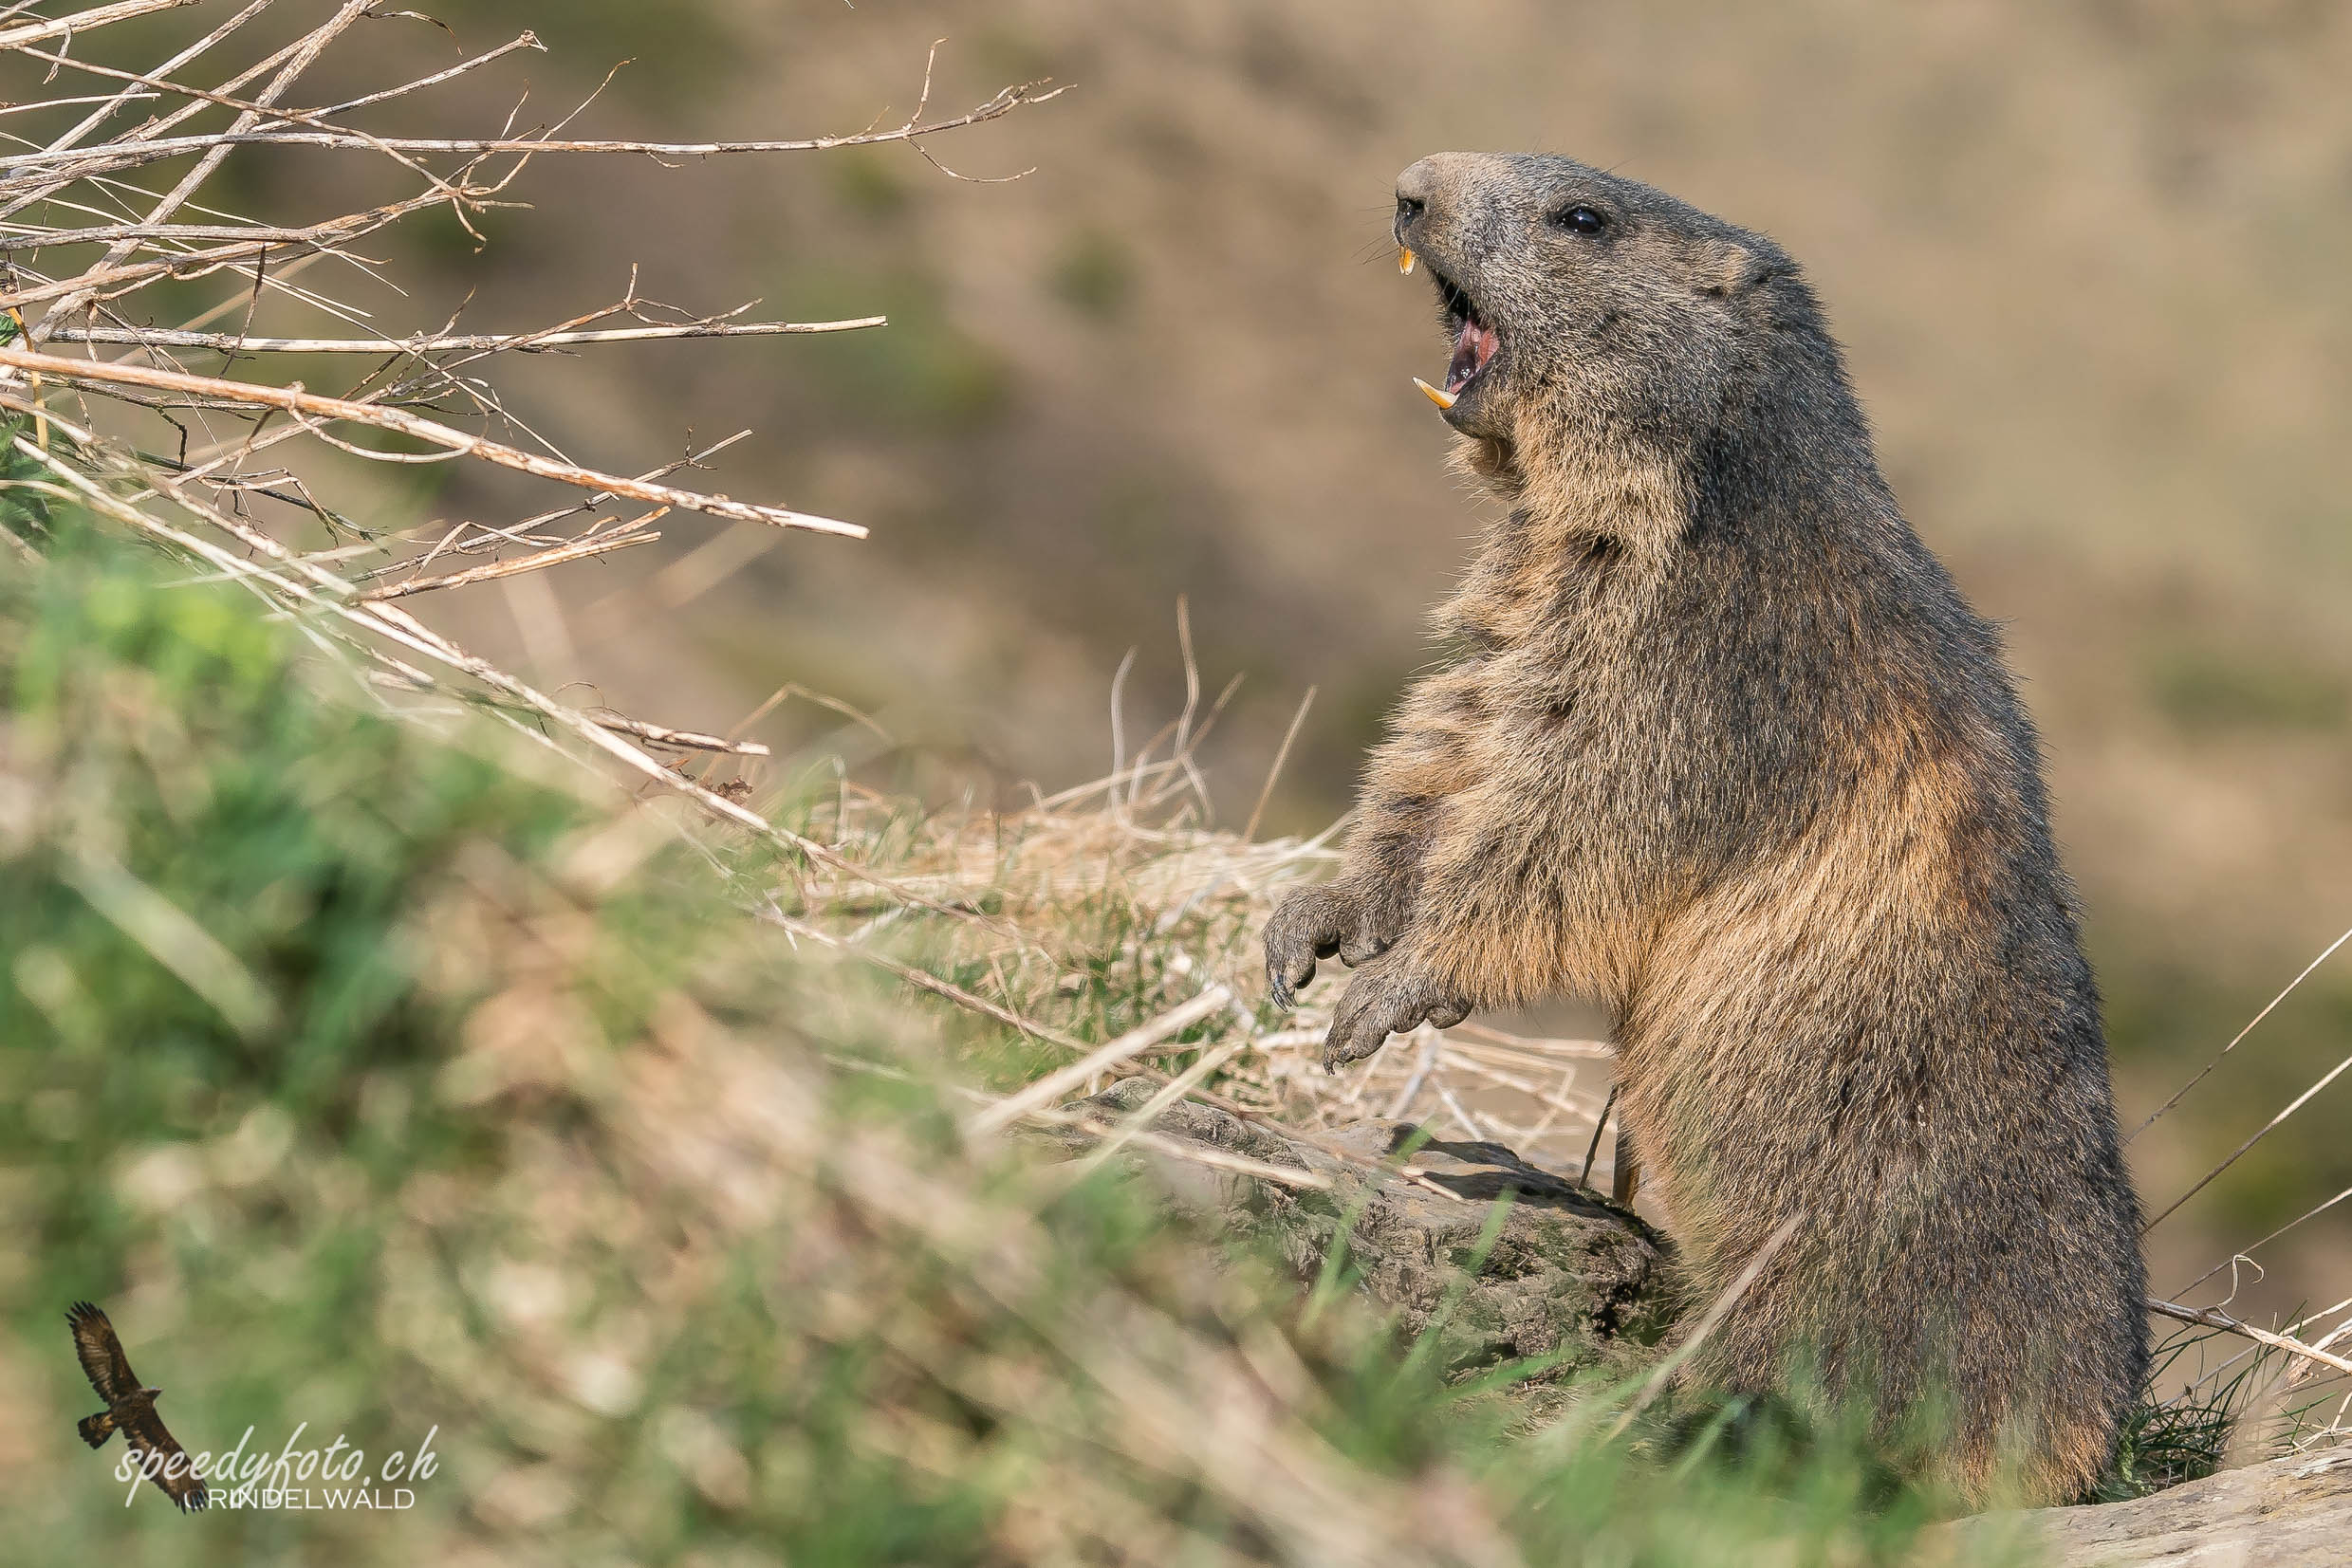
(378, 1078)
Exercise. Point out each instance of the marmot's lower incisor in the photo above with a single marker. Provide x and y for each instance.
(1719, 746)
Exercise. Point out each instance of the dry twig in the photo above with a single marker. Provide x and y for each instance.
(2214, 1317)
(455, 443)
(470, 342)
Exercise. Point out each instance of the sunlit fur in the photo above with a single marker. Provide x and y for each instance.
(1717, 744)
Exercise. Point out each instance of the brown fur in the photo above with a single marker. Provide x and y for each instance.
(1719, 746)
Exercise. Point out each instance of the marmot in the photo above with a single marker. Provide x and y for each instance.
(1719, 745)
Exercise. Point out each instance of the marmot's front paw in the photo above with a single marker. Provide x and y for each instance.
(1312, 923)
(1387, 997)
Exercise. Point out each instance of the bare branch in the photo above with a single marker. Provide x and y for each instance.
(527, 40)
(601, 544)
(124, 157)
(455, 442)
(128, 275)
(122, 10)
(485, 342)
(304, 54)
(192, 52)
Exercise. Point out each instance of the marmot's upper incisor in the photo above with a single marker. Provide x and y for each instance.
(1719, 746)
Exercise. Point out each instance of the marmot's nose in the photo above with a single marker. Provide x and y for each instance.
(1414, 189)
(1431, 188)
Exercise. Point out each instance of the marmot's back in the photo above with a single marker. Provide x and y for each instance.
(1723, 747)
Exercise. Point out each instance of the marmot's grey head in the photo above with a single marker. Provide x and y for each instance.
(1573, 295)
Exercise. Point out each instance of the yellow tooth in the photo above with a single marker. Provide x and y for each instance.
(1443, 400)
(1404, 261)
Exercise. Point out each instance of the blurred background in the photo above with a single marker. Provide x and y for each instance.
(2087, 259)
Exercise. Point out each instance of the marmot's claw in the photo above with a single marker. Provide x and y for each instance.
(1284, 979)
(1385, 999)
(1306, 925)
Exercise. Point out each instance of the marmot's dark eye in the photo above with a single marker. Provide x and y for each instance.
(1580, 220)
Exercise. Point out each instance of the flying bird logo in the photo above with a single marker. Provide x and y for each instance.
(130, 1409)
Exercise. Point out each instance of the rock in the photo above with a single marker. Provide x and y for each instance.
(1566, 1274)
(2289, 1513)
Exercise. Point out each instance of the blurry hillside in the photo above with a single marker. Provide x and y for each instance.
(2087, 258)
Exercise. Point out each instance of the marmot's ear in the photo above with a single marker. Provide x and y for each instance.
(1729, 268)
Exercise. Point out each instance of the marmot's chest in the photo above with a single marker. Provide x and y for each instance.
(1554, 603)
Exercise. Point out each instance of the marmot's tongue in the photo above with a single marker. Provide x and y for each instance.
(1472, 347)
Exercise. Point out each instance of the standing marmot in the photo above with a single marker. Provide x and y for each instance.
(1719, 746)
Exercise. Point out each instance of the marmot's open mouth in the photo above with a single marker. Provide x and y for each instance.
(1475, 342)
